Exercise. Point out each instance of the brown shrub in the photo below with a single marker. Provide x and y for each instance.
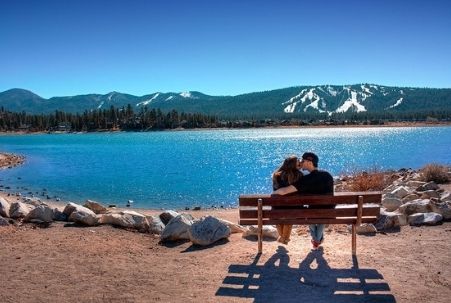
(373, 180)
(435, 172)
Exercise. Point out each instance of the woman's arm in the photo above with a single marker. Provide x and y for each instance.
(285, 190)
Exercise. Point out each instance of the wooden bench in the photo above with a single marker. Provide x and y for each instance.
(350, 208)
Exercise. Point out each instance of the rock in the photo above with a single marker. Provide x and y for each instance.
(366, 228)
(33, 201)
(59, 215)
(425, 218)
(428, 186)
(167, 215)
(410, 197)
(442, 208)
(96, 207)
(207, 231)
(430, 194)
(40, 214)
(126, 219)
(391, 204)
(388, 220)
(400, 192)
(177, 228)
(19, 210)
(234, 228)
(156, 226)
(4, 208)
(80, 214)
(446, 196)
(3, 221)
(416, 206)
(415, 184)
(268, 232)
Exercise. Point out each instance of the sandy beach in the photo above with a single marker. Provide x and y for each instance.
(107, 264)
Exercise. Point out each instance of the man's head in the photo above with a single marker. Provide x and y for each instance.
(309, 161)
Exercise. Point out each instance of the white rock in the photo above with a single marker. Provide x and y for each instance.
(415, 184)
(80, 214)
(19, 210)
(366, 228)
(391, 204)
(208, 230)
(155, 225)
(177, 228)
(400, 192)
(428, 186)
(416, 206)
(446, 196)
(268, 231)
(126, 219)
(425, 218)
(388, 220)
(4, 208)
(96, 207)
(443, 208)
(39, 214)
(167, 215)
(234, 227)
(410, 197)
(430, 194)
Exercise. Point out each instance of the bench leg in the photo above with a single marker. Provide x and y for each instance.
(354, 240)
(260, 226)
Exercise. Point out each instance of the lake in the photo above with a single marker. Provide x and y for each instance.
(175, 169)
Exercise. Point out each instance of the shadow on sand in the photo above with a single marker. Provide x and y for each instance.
(314, 281)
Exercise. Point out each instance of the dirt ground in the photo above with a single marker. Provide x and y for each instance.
(63, 263)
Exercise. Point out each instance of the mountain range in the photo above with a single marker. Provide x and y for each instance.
(327, 99)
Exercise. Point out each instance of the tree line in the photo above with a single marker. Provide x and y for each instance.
(145, 119)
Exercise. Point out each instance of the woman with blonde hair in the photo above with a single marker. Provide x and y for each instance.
(287, 174)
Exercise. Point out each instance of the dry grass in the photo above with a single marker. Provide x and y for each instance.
(373, 180)
(435, 172)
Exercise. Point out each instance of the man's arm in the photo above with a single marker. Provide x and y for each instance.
(285, 190)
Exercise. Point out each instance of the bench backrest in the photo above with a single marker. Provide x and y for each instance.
(350, 208)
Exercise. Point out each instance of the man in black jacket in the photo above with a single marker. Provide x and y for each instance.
(316, 182)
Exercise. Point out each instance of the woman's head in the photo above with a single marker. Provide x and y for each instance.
(289, 171)
(290, 164)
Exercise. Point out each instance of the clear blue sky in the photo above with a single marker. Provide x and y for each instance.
(61, 48)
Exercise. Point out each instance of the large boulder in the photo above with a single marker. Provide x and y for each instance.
(443, 208)
(40, 214)
(167, 215)
(425, 219)
(59, 215)
(415, 184)
(126, 219)
(80, 214)
(234, 228)
(429, 194)
(156, 226)
(446, 196)
(177, 228)
(416, 206)
(4, 208)
(428, 186)
(96, 207)
(400, 192)
(3, 221)
(208, 230)
(19, 210)
(410, 197)
(267, 230)
(391, 204)
(388, 220)
(365, 229)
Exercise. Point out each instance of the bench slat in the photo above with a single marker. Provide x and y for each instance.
(370, 210)
(352, 220)
(293, 200)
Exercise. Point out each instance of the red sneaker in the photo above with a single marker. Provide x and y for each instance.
(315, 244)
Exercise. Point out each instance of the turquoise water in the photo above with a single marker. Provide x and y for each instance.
(207, 167)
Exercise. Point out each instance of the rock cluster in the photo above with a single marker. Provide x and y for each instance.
(170, 225)
(410, 201)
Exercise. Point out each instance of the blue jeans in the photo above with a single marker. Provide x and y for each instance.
(316, 231)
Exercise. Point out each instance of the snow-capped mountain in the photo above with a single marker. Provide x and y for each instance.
(323, 99)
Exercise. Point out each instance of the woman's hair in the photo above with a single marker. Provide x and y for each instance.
(288, 173)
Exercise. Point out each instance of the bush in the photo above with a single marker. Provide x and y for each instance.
(435, 172)
(373, 180)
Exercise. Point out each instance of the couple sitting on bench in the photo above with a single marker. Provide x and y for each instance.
(288, 179)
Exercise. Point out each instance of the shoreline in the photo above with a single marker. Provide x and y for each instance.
(387, 124)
